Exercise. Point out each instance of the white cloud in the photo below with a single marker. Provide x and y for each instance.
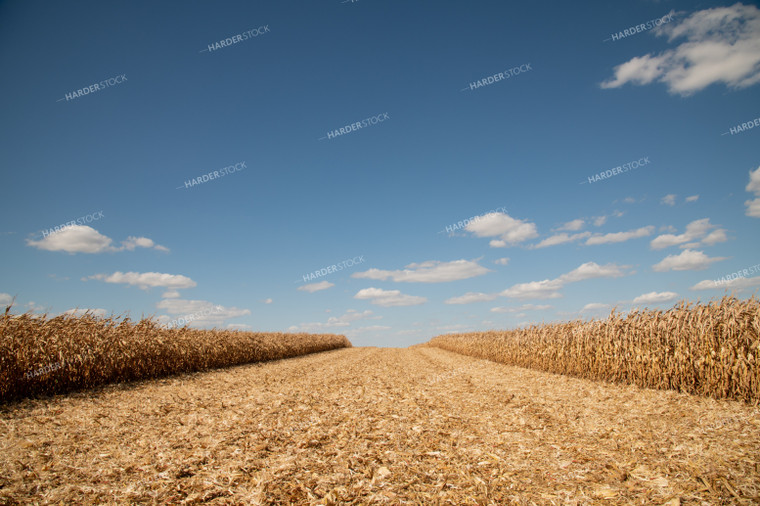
(33, 306)
(754, 182)
(687, 260)
(315, 287)
(734, 284)
(517, 309)
(714, 237)
(5, 299)
(629, 200)
(84, 239)
(573, 226)
(669, 199)
(692, 198)
(720, 45)
(655, 297)
(198, 312)
(389, 298)
(594, 306)
(546, 289)
(74, 239)
(147, 280)
(335, 322)
(619, 236)
(599, 221)
(695, 230)
(238, 326)
(432, 271)
(142, 242)
(497, 243)
(267, 301)
(170, 294)
(753, 206)
(561, 238)
(591, 270)
(99, 312)
(549, 288)
(470, 297)
(509, 230)
(501, 261)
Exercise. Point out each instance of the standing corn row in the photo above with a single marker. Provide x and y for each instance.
(46, 356)
(710, 350)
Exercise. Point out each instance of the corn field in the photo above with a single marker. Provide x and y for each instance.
(43, 356)
(705, 349)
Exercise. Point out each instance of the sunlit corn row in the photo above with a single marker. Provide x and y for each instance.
(704, 349)
(40, 355)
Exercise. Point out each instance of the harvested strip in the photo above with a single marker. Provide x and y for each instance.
(379, 426)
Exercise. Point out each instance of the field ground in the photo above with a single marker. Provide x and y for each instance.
(379, 425)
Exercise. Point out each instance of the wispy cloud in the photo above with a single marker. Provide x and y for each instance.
(572, 226)
(199, 312)
(508, 231)
(687, 260)
(471, 297)
(315, 287)
(550, 288)
(431, 271)
(146, 280)
(615, 237)
(335, 322)
(733, 284)
(519, 309)
(696, 231)
(655, 297)
(753, 206)
(561, 238)
(389, 298)
(84, 239)
(720, 45)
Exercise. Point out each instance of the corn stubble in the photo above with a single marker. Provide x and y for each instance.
(44, 356)
(704, 349)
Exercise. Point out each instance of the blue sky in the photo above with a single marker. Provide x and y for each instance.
(550, 240)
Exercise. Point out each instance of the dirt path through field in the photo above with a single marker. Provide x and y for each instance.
(379, 425)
